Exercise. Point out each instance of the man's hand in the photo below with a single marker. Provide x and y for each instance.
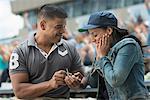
(58, 79)
(74, 81)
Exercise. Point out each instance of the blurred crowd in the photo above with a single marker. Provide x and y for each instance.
(5, 53)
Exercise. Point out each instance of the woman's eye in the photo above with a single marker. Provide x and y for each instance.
(95, 35)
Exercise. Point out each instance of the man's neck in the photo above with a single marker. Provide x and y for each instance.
(42, 43)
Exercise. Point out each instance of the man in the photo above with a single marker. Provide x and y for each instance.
(41, 66)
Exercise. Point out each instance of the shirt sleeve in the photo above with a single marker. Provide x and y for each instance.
(17, 62)
(117, 73)
(76, 60)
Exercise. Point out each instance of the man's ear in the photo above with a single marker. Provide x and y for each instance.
(109, 30)
(43, 24)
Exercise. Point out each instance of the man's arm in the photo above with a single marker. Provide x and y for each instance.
(23, 89)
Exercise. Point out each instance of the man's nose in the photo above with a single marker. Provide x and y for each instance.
(63, 30)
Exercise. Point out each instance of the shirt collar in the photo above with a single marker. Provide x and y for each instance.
(31, 40)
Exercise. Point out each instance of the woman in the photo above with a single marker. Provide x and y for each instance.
(119, 58)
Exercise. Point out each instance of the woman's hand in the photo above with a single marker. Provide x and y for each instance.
(102, 46)
(74, 80)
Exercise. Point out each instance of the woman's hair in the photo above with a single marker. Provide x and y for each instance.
(119, 34)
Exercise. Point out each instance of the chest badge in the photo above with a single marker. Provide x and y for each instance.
(62, 53)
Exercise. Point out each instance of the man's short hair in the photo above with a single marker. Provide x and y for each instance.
(48, 11)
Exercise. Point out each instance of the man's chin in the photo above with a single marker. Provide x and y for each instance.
(58, 40)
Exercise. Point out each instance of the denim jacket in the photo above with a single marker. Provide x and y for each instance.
(123, 71)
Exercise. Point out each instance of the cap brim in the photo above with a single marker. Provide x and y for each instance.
(87, 27)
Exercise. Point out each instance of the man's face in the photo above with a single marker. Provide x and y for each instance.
(54, 29)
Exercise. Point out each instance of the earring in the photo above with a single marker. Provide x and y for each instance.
(42, 26)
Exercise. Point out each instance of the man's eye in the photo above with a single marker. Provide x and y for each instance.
(58, 27)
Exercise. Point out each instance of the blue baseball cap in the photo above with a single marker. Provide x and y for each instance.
(100, 19)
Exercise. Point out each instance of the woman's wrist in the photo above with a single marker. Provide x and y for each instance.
(99, 57)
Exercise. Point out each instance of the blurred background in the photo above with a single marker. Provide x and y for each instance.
(18, 21)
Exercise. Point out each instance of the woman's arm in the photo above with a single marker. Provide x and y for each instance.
(118, 72)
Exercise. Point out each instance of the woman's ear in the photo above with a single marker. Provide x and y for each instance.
(109, 30)
(43, 24)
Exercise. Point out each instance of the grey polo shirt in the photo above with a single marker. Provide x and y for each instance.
(27, 58)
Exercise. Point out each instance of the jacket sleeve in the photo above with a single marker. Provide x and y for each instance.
(116, 74)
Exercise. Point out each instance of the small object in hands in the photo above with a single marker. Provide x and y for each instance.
(67, 72)
(78, 76)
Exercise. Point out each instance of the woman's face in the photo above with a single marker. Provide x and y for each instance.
(97, 34)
